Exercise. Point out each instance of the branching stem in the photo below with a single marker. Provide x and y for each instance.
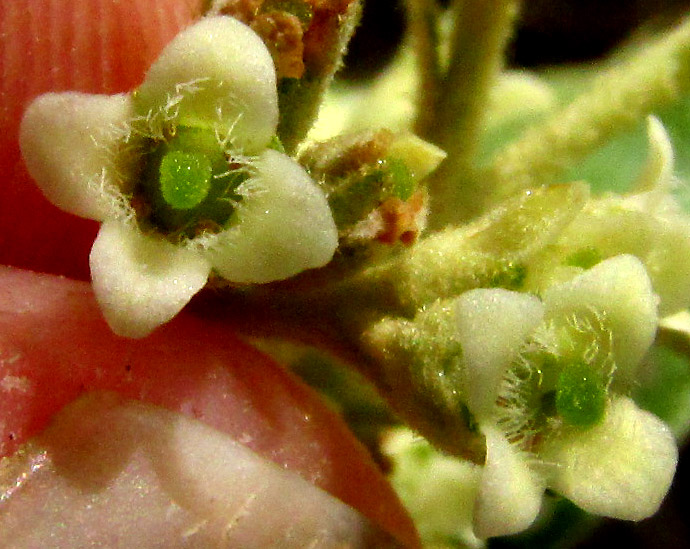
(480, 32)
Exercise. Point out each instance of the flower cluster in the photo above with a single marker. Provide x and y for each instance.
(514, 341)
(542, 358)
(184, 175)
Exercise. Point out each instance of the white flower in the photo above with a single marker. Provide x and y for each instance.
(545, 382)
(181, 175)
(647, 223)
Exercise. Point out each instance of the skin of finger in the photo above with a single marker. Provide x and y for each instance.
(55, 346)
(105, 46)
(95, 46)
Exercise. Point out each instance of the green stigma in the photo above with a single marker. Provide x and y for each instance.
(188, 184)
(580, 395)
(185, 179)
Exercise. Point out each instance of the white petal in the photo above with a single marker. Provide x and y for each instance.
(216, 73)
(141, 282)
(282, 226)
(72, 145)
(619, 289)
(492, 325)
(510, 494)
(621, 468)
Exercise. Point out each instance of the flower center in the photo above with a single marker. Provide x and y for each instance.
(185, 179)
(188, 185)
(580, 395)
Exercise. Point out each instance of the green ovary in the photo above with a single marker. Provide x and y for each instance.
(188, 184)
(185, 179)
(580, 395)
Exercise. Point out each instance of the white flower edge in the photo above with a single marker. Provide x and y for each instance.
(619, 291)
(216, 73)
(621, 468)
(510, 493)
(141, 282)
(72, 146)
(282, 226)
(492, 324)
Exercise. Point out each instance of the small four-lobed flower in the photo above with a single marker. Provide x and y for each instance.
(546, 381)
(185, 174)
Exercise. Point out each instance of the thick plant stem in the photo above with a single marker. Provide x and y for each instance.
(364, 336)
(481, 30)
(617, 100)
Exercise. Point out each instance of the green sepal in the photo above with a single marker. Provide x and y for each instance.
(421, 365)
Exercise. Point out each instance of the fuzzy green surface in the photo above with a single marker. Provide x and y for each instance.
(580, 396)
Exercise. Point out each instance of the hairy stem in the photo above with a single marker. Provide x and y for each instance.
(422, 24)
(455, 260)
(617, 100)
(481, 30)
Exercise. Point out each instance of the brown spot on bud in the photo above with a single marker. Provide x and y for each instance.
(244, 10)
(322, 35)
(401, 220)
(282, 33)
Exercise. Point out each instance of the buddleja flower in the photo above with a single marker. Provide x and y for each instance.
(533, 391)
(546, 383)
(185, 174)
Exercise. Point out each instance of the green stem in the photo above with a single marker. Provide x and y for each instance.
(617, 99)
(358, 335)
(481, 31)
(422, 26)
(300, 99)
